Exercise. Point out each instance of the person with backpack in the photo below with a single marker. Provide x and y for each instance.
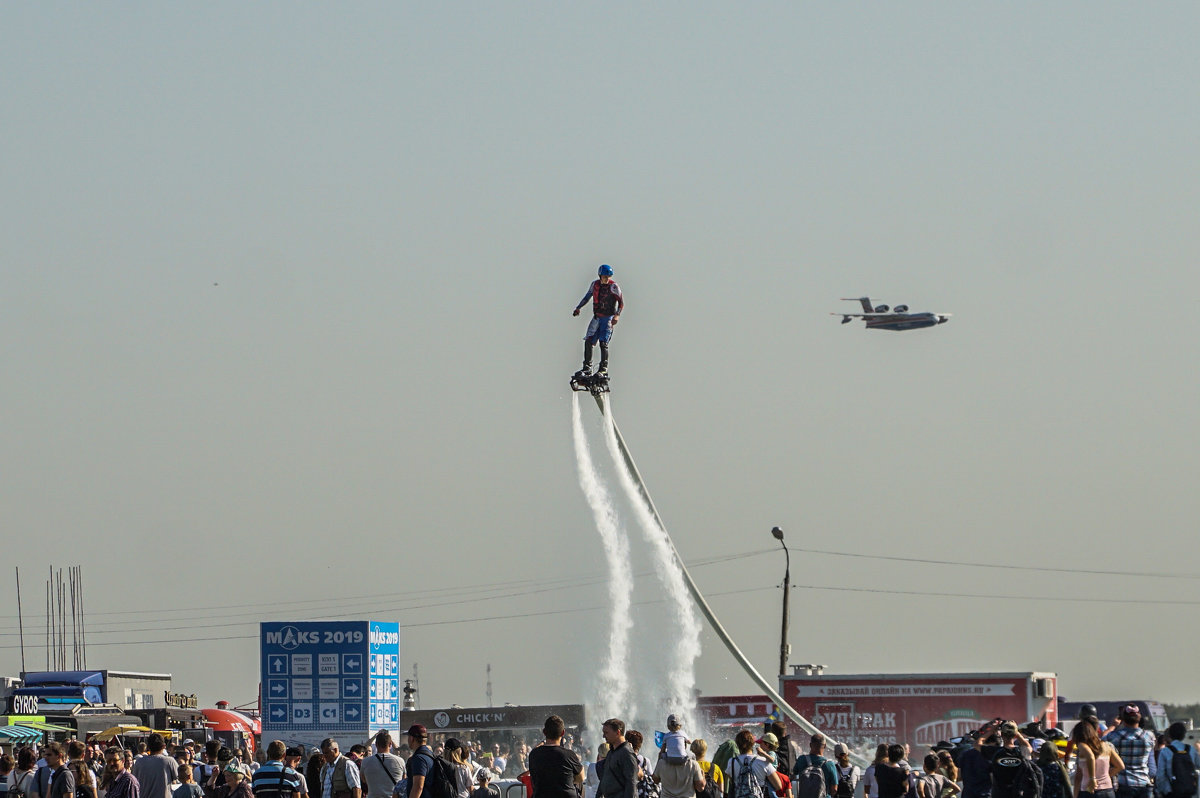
(1013, 773)
(62, 780)
(429, 776)
(847, 772)
(814, 764)
(931, 783)
(647, 787)
(22, 782)
(1097, 761)
(714, 779)
(1177, 765)
(749, 773)
(454, 753)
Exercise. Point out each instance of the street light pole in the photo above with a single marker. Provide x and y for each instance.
(784, 648)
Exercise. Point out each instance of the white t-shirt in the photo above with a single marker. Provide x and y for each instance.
(382, 771)
(675, 744)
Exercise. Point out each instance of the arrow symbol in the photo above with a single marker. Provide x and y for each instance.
(352, 664)
(352, 687)
(278, 712)
(277, 688)
(351, 712)
(277, 665)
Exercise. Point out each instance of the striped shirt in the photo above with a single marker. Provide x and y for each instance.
(275, 780)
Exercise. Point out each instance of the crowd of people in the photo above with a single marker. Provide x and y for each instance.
(1000, 760)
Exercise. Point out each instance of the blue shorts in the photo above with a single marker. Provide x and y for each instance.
(600, 330)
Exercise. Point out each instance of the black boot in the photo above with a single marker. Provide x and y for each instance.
(603, 370)
(586, 371)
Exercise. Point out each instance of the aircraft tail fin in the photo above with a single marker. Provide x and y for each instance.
(865, 300)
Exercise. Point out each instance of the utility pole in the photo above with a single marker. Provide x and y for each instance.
(20, 620)
(784, 648)
(489, 683)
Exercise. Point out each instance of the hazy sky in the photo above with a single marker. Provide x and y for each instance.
(286, 328)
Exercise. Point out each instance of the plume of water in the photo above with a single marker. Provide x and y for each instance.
(613, 697)
(680, 697)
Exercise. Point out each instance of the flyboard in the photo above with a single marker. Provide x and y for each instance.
(595, 384)
(602, 401)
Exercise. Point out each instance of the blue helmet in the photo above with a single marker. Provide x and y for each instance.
(605, 271)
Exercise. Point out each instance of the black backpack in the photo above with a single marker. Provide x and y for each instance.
(711, 790)
(1015, 776)
(1183, 774)
(16, 788)
(846, 783)
(442, 781)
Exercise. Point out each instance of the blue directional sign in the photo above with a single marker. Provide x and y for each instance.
(383, 697)
(321, 678)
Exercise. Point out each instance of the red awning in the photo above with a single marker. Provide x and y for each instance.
(228, 720)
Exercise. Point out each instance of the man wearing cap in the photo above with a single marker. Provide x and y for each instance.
(292, 757)
(1136, 748)
(339, 776)
(816, 758)
(420, 763)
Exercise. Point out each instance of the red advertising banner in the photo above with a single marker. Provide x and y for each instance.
(918, 709)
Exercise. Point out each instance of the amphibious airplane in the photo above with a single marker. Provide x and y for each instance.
(879, 317)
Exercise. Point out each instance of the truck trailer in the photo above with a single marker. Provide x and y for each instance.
(921, 709)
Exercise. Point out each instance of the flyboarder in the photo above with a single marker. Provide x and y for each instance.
(607, 304)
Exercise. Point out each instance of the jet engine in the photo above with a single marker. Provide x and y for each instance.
(881, 308)
(901, 309)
